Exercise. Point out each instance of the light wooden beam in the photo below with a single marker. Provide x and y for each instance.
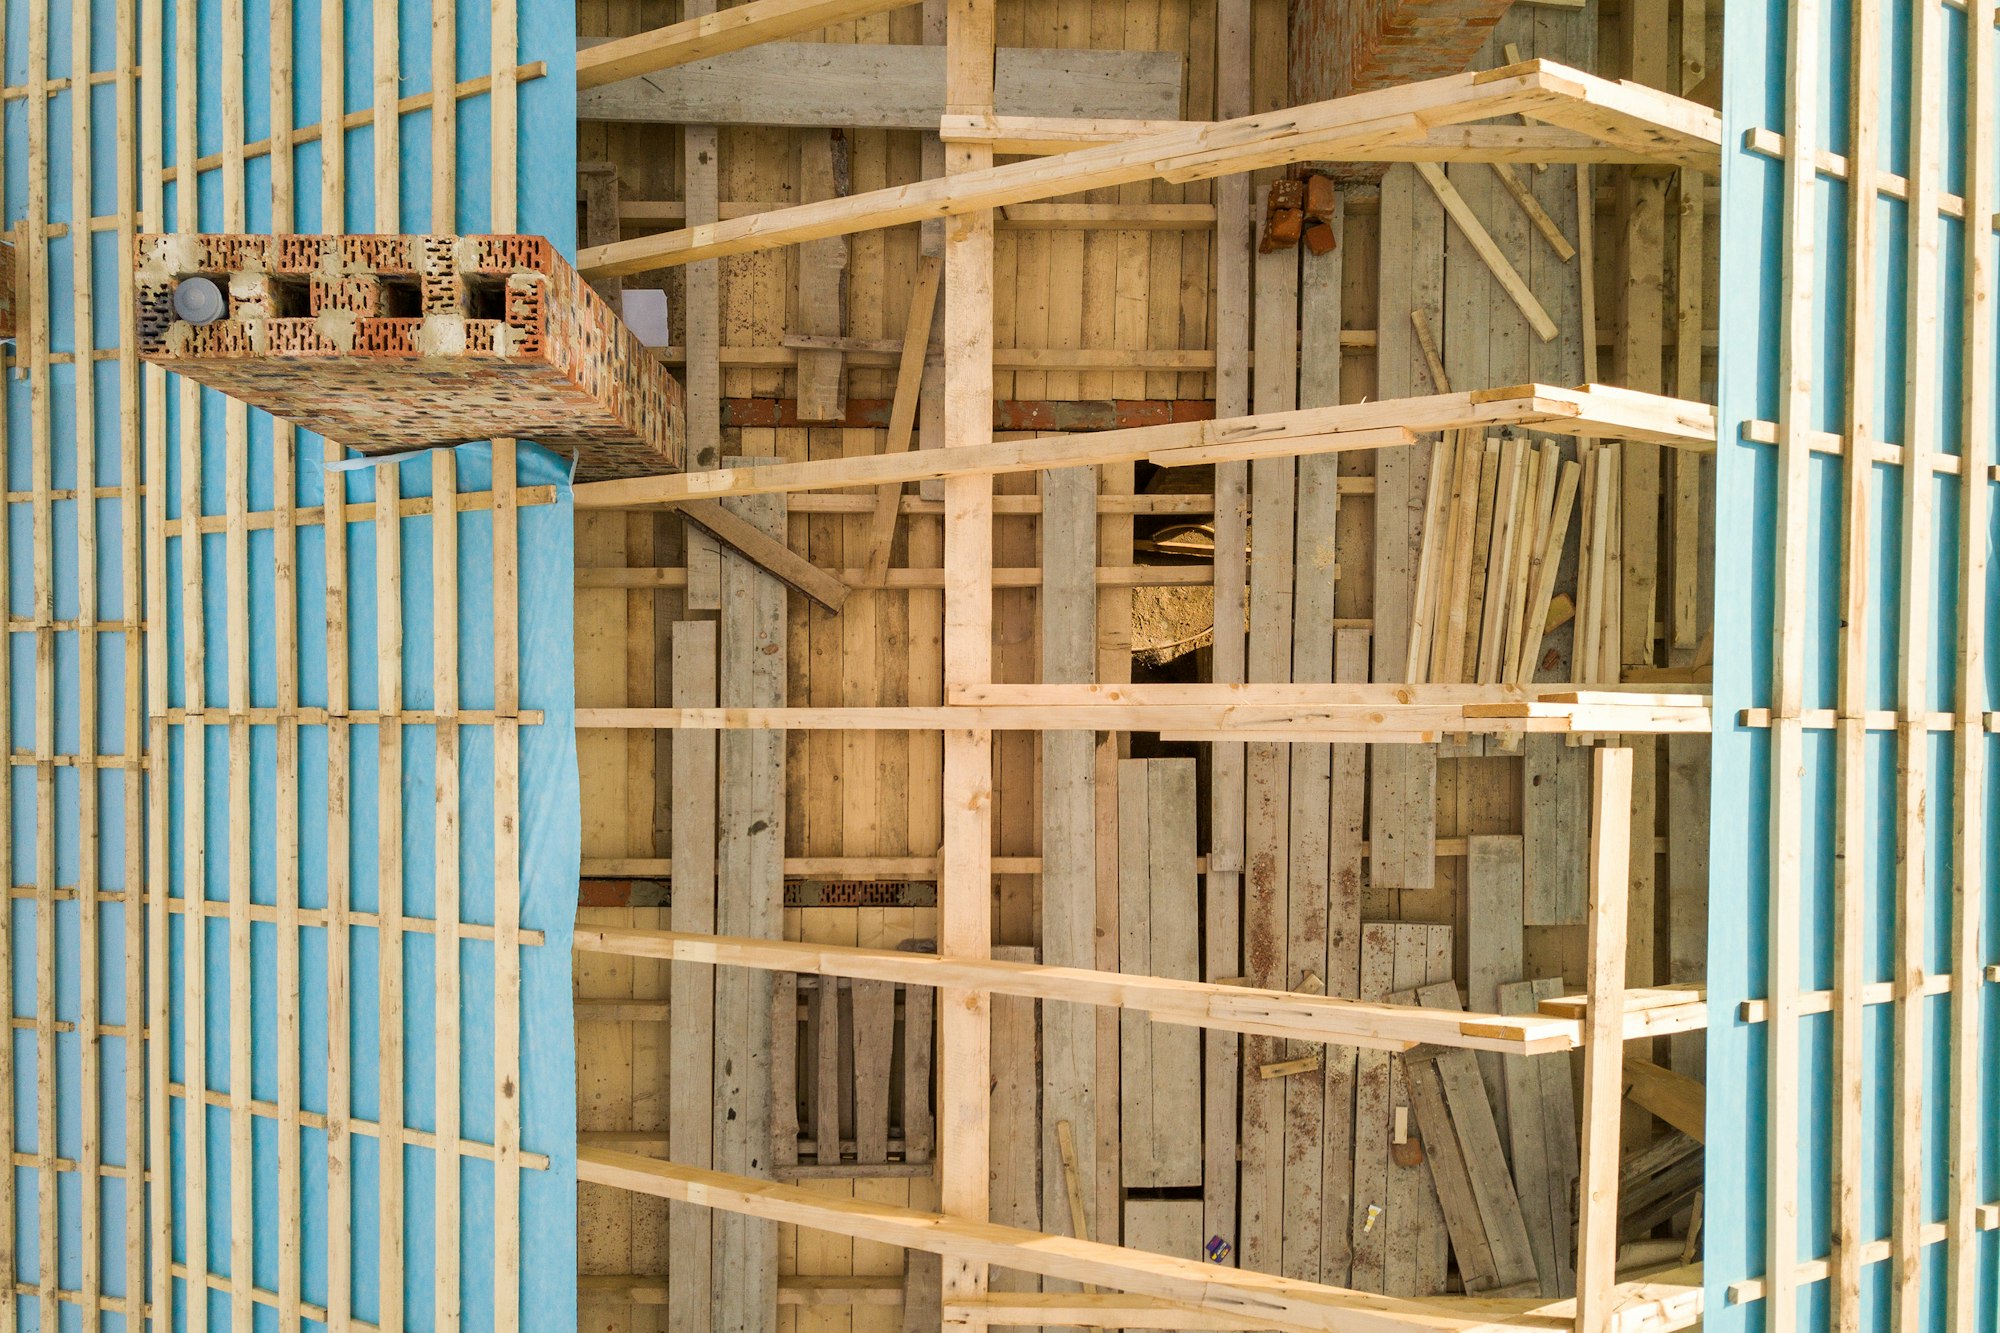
(767, 552)
(1274, 1302)
(1044, 135)
(1603, 1052)
(1286, 1015)
(1626, 117)
(1348, 723)
(715, 34)
(1590, 412)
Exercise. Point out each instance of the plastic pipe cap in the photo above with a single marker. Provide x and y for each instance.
(199, 300)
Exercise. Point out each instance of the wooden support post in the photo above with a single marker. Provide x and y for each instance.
(1971, 862)
(965, 885)
(1603, 1042)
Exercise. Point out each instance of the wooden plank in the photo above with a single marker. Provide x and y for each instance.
(1603, 1051)
(445, 838)
(1472, 1128)
(874, 1007)
(965, 885)
(1541, 1129)
(690, 1045)
(388, 555)
(1483, 244)
(903, 413)
(749, 848)
(1556, 822)
(826, 85)
(1493, 943)
(1267, 804)
(1970, 861)
(767, 550)
(1159, 936)
(1587, 412)
(821, 285)
(506, 888)
(1347, 786)
(1164, 1226)
(1351, 127)
(1287, 1015)
(1222, 906)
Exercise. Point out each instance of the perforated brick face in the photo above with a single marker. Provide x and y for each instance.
(396, 342)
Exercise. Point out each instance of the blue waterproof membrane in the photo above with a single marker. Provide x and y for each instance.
(549, 813)
(1741, 935)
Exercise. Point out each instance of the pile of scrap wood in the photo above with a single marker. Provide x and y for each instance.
(1495, 525)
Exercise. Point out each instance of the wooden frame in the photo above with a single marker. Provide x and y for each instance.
(1598, 1022)
(1365, 126)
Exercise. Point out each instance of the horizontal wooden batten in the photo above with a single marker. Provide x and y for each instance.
(1283, 1014)
(1018, 217)
(1625, 117)
(1591, 412)
(1353, 724)
(1121, 576)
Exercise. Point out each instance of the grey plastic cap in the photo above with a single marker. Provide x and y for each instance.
(199, 300)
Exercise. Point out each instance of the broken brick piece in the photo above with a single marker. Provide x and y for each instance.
(1282, 228)
(384, 343)
(1322, 197)
(1320, 239)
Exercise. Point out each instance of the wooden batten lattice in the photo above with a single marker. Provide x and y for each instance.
(396, 342)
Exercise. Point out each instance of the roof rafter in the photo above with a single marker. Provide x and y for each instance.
(1625, 118)
(1592, 412)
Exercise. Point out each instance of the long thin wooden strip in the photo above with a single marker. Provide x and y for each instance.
(236, 648)
(339, 936)
(194, 767)
(506, 894)
(1969, 1111)
(285, 820)
(389, 889)
(444, 117)
(503, 108)
(691, 1045)
(1853, 825)
(903, 412)
(34, 259)
(1921, 438)
(159, 1140)
(447, 955)
(88, 845)
(132, 587)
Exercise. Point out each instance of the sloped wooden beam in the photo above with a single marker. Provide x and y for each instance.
(1627, 118)
(1587, 413)
(715, 34)
(1283, 1014)
(1275, 1302)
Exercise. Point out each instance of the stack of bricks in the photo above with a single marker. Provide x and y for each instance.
(384, 343)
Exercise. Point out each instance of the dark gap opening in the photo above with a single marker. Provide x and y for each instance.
(402, 298)
(485, 298)
(290, 297)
